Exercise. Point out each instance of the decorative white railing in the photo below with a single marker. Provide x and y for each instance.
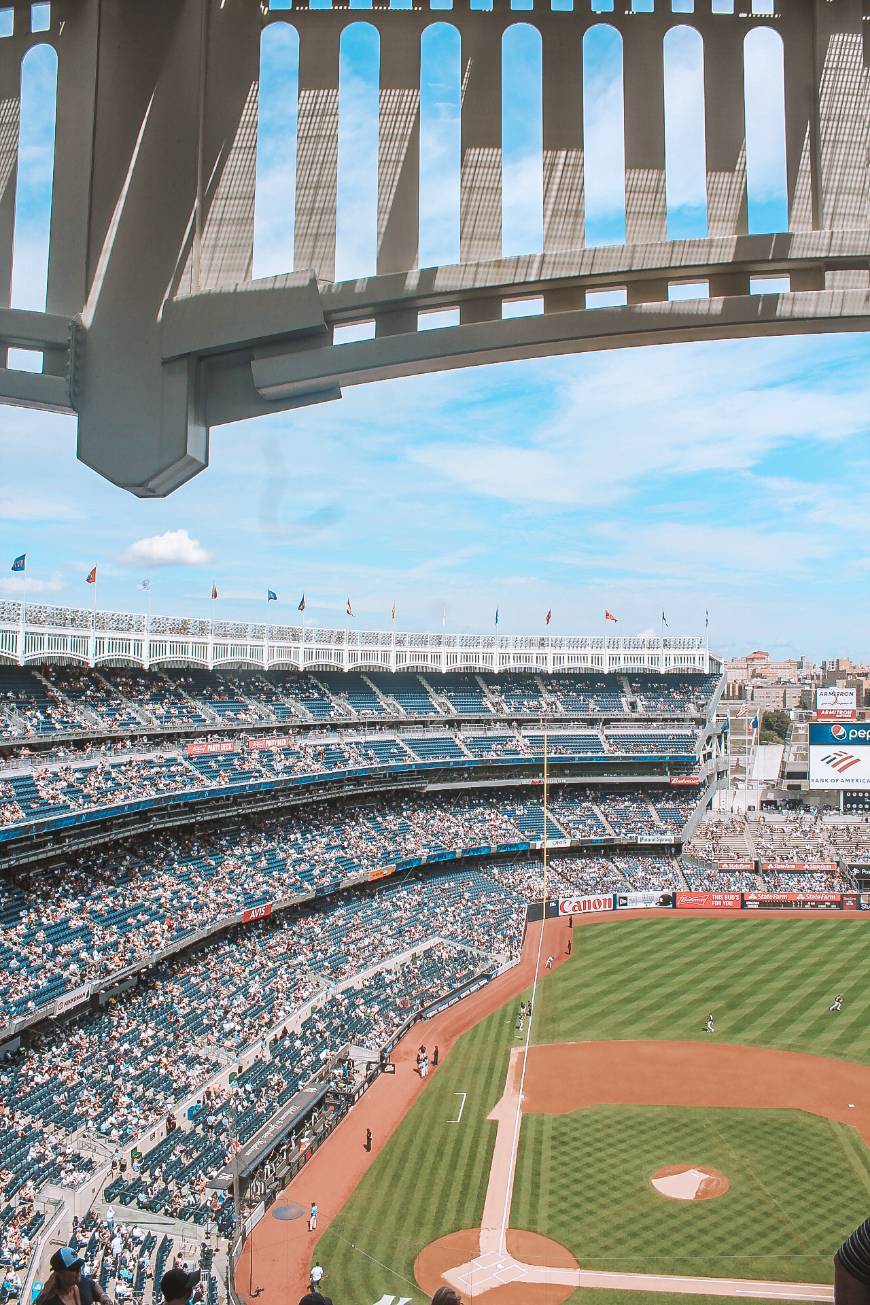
(34, 632)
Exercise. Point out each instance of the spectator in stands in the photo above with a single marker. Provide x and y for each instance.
(62, 1287)
(315, 1298)
(446, 1296)
(63, 1275)
(179, 1287)
(852, 1268)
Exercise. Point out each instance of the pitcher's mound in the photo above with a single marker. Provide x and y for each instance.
(682, 1183)
(531, 1248)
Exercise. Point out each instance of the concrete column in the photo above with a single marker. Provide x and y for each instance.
(230, 98)
(317, 149)
(563, 137)
(140, 424)
(725, 130)
(481, 169)
(76, 43)
(801, 125)
(10, 122)
(399, 149)
(646, 217)
(842, 81)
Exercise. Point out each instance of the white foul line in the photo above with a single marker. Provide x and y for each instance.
(461, 1108)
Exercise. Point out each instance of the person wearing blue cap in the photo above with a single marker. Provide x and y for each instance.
(67, 1285)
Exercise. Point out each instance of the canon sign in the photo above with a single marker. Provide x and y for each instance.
(591, 903)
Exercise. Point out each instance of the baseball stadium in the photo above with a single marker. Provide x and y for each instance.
(415, 961)
(413, 890)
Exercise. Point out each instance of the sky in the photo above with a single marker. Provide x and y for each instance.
(729, 477)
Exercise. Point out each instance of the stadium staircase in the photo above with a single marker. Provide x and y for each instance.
(390, 706)
(76, 709)
(444, 705)
(603, 818)
(131, 705)
(632, 703)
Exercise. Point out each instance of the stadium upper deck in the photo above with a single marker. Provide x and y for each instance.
(36, 632)
(87, 745)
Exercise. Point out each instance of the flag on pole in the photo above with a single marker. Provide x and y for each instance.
(348, 608)
(91, 577)
(608, 616)
(393, 611)
(301, 606)
(19, 564)
(755, 722)
(496, 616)
(145, 584)
(214, 592)
(548, 618)
(664, 619)
(271, 596)
(706, 619)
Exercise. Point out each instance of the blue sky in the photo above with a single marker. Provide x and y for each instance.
(728, 476)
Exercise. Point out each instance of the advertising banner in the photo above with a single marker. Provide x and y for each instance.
(835, 704)
(794, 901)
(209, 747)
(709, 901)
(272, 744)
(589, 904)
(685, 781)
(70, 999)
(257, 913)
(382, 872)
(797, 867)
(662, 837)
(650, 897)
(840, 755)
(736, 865)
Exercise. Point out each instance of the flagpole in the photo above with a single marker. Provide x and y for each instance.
(148, 624)
(23, 635)
(546, 838)
(94, 619)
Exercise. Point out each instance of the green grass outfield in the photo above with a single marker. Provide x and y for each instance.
(769, 982)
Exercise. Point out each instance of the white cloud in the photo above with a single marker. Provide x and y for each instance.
(34, 507)
(624, 418)
(172, 548)
(16, 587)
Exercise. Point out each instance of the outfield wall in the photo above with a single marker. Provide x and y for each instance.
(601, 903)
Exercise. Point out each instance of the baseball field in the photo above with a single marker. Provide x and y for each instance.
(611, 1142)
